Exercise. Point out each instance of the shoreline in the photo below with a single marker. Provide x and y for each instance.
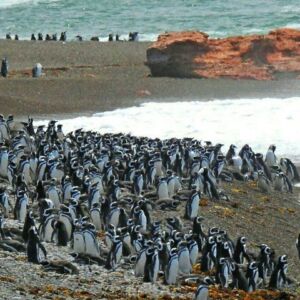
(88, 77)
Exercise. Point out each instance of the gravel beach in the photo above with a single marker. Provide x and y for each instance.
(81, 78)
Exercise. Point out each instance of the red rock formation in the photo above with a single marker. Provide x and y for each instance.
(193, 54)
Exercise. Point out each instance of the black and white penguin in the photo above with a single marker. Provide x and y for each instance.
(210, 184)
(290, 169)
(60, 234)
(110, 37)
(152, 265)
(184, 262)
(63, 36)
(4, 67)
(192, 205)
(162, 189)
(298, 245)
(90, 240)
(8, 36)
(20, 209)
(270, 158)
(33, 38)
(278, 278)
(223, 272)
(240, 251)
(29, 223)
(16, 37)
(263, 183)
(252, 276)
(140, 262)
(36, 252)
(202, 292)
(115, 253)
(4, 201)
(37, 70)
(239, 280)
(171, 271)
(95, 215)
(40, 36)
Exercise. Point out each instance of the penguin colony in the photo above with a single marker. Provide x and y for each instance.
(132, 37)
(70, 188)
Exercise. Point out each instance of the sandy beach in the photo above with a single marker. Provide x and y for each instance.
(86, 77)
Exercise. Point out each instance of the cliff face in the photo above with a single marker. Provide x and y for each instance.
(193, 54)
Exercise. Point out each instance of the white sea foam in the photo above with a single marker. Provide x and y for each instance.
(9, 3)
(258, 122)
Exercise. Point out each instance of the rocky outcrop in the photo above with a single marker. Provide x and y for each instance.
(194, 54)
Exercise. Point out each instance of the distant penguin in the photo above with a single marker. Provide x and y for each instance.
(95, 214)
(110, 37)
(223, 272)
(40, 36)
(298, 245)
(36, 252)
(5, 204)
(117, 38)
(16, 37)
(63, 36)
(79, 38)
(140, 263)
(37, 70)
(8, 36)
(4, 67)
(278, 277)
(240, 252)
(90, 240)
(33, 38)
(171, 271)
(29, 223)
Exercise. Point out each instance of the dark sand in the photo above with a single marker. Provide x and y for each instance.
(86, 77)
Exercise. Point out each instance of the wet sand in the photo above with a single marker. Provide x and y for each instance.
(86, 77)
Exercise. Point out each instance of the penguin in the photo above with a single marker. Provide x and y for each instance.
(278, 277)
(193, 250)
(46, 228)
(263, 183)
(210, 185)
(40, 36)
(240, 251)
(290, 169)
(60, 233)
(270, 158)
(110, 37)
(252, 275)
(20, 209)
(95, 215)
(63, 36)
(36, 252)
(202, 292)
(192, 205)
(239, 281)
(152, 265)
(171, 271)
(298, 245)
(65, 217)
(33, 38)
(79, 38)
(29, 223)
(162, 189)
(184, 262)
(8, 36)
(4, 202)
(223, 272)
(90, 241)
(16, 37)
(37, 70)
(4, 67)
(78, 243)
(115, 253)
(140, 263)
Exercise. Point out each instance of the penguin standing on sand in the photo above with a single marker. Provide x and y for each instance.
(202, 292)
(4, 67)
(115, 253)
(36, 252)
(252, 276)
(33, 38)
(192, 205)
(60, 233)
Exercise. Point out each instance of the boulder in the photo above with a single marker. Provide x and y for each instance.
(193, 54)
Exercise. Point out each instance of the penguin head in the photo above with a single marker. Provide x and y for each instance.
(252, 265)
(283, 259)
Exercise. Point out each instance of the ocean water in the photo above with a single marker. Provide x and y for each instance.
(218, 18)
(258, 122)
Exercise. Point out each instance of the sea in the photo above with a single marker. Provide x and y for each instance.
(258, 122)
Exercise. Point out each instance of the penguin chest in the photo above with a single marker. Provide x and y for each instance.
(154, 267)
(91, 246)
(68, 224)
(172, 270)
(78, 242)
(140, 264)
(163, 192)
(48, 229)
(96, 218)
(184, 261)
